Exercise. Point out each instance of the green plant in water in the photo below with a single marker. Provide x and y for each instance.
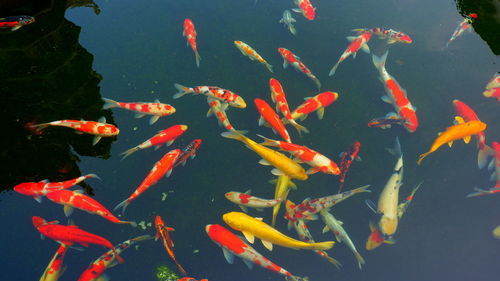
(164, 273)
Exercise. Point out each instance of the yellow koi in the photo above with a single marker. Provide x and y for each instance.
(283, 185)
(248, 51)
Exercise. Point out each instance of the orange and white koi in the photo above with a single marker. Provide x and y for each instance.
(167, 137)
(156, 108)
(495, 176)
(248, 51)
(357, 43)
(232, 246)
(317, 161)
(466, 24)
(316, 103)
(41, 188)
(305, 8)
(98, 129)
(75, 199)
(396, 96)
(269, 116)
(161, 168)
(493, 88)
(391, 35)
(96, 270)
(279, 98)
(190, 33)
(71, 234)
(217, 93)
(219, 110)
(162, 232)
(292, 59)
(188, 152)
(55, 269)
(245, 201)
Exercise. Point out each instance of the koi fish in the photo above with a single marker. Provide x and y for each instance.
(217, 93)
(245, 201)
(346, 159)
(387, 121)
(317, 161)
(396, 95)
(167, 137)
(357, 43)
(232, 246)
(293, 60)
(188, 152)
(41, 188)
(156, 108)
(75, 199)
(494, 164)
(162, 231)
(98, 129)
(391, 35)
(16, 22)
(269, 116)
(463, 130)
(283, 165)
(466, 24)
(219, 110)
(493, 88)
(288, 21)
(305, 8)
(492, 93)
(283, 186)
(190, 33)
(494, 82)
(71, 234)
(161, 168)
(248, 51)
(96, 270)
(279, 98)
(316, 103)
(55, 269)
(468, 114)
(335, 226)
(252, 227)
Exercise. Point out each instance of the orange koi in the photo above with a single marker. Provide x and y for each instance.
(357, 43)
(248, 51)
(279, 98)
(292, 59)
(269, 116)
(316, 103)
(162, 232)
(190, 33)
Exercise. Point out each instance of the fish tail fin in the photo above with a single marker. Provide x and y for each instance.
(123, 205)
(197, 58)
(109, 103)
(300, 129)
(268, 142)
(322, 245)
(361, 189)
(129, 152)
(269, 67)
(396, 150)
(118, 258)
(94, 176)
(132, 223)
(237, 135)
(422, 156)
(333, 261)
(379, 62)
(477, 192)
(36, 129)
(182, 90)
(360, 259)
(482, 155)
(334, 69)
(296, 278)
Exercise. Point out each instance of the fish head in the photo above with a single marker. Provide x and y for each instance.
(29, 188)
(25, 20)
(38, 221)
(327, 98)
(283, 52)
(236, 220)
(403, 38)
(239, 102)
(188, 24)
(159, 222)
(374, 240)
(231, 196)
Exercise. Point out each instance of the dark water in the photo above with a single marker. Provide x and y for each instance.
(134, 51)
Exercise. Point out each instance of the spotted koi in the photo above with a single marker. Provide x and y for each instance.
(316, 103)
(357, 43)
(156, 108)
(190, 33)
(245, 201)
(248, 51)
(217, 93)
(279, 98)
(391, 35)
(293, 60)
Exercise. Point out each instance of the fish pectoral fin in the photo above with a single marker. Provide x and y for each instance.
(248, 263)
(365, 48)
(259, 219)
(467, 139)
(38, 199)
(153, 119)
(139, 115)
(103, 277)
(386, 99)
(325, 229)
(450, 143)
(243, 208)
(350, 38)
(390, 241)
(264, 162)
(458, 120)
(267, 244)
(371, 205)
(262, 121)
(249, 236)
(228, 255)
(312, 171)
(68, 210)
(96, 140)
(320, 112)
(277, 172)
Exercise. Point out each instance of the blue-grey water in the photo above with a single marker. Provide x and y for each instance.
(139, 52)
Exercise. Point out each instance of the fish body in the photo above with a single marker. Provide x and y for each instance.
(217, 93)
(346, 159)
(71, 234)
(495, 176)
(97, 268)
(318, 161)
(161, 168)
(55, 269)
(387, 121)
(306, 9)
(293, 60)
(245, 200)
(463, 26)
(283, 164)
(248, 51)
(167, 137)
(162, 231)
(16, 22)
(41, 188)
(188, 152)
(279, 98)
(156, 109)
(396, 95)
(392, 36)
(357, 43)
(190, 33)
(288, 21)
(463, 130)
(316, 103)
(282, 188)
(219, 110)
(269, 116)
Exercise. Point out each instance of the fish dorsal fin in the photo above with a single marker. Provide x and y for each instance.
(264, 162)
(157, 101)
(249, 236)
(459, 120)
(325, 229)
(350, 38)
(102, 119)
(277, 172)
(68, 210)
(228, 255)
(450, 143)
(267, 244)
(439, 133)
(259, 219)
(248, 192)
(467, 139)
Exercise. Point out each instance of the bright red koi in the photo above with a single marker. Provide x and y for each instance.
(357, 43)
(316, 103)
(306, 8)
(269, 116)
(279, 98)
(162, 232)
(292, 59)
(190, 33)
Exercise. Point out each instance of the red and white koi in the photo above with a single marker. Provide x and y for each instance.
(156, 108)
(357, 43)
(162, 231)
(466, 24)
(219, 110)
(41, 188)
(316, 103)
(493, 88)
(98, 129)
(292, 59)
(16, 22)
(495, 176)
(305, 8)
(279, 98)
(232, 246)
(217, 93)
(269, 116)
(245, 201)
(391, 35)
(248, 51)
(190, 33)
(167, 137)
(71, 234)
(161, 168)
(96, 269)
(188, 152)
(75, 199)
(55, 269)
(346, 159)
(317, 161)
(396, 95)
